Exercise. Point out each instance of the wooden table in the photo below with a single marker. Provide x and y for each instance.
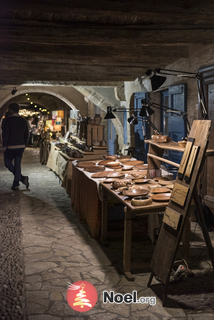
(130, 213)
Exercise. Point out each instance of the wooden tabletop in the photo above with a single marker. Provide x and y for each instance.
(171, 145)
(156, 206)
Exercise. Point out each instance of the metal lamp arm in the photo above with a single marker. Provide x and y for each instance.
(152, 125)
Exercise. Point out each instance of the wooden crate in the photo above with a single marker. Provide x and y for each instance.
(94, 133)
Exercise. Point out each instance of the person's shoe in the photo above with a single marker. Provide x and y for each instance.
(26, 182)
(15, 188)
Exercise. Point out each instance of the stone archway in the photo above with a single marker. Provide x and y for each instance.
(39, 90)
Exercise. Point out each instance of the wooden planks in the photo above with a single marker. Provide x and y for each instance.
(172, 218)
(185, 158)
(179, 194)
(162, 260)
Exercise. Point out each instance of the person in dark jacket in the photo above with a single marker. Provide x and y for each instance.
(15, 137)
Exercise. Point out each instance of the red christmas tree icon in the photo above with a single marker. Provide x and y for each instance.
(80, 298)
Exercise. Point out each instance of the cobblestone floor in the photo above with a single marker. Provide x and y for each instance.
(43, 246)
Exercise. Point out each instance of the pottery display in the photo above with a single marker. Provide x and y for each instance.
(103, 143)
(97, 119)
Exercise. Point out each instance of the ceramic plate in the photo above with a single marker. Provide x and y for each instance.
(160, 190)
(94, 169)
(161, 196)
(135, 192)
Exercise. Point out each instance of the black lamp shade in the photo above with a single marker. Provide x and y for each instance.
(143, 112)
(130, 119)
(156, 81)
(109, 114)
(150, 111)
(133, 120)
(146, 112)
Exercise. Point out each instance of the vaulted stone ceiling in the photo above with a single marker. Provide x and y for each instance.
(97, 42)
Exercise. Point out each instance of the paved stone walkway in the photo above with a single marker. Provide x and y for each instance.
(45, 247)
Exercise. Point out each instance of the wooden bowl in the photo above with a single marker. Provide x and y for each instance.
(94, 169)
(182, 144)
(112, 158)
(160, 190)
(161, 196)
(113, 164)
(120, 183)
(126, 168)
(141, 201)
(135, 192)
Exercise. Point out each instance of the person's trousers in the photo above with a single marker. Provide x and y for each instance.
(12, 161)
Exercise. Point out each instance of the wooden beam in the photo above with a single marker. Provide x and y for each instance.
(85, 33)
(131, 11)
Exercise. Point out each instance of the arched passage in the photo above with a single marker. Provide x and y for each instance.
(39, 90)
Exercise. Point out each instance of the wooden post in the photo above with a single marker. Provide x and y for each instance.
(127, 244)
